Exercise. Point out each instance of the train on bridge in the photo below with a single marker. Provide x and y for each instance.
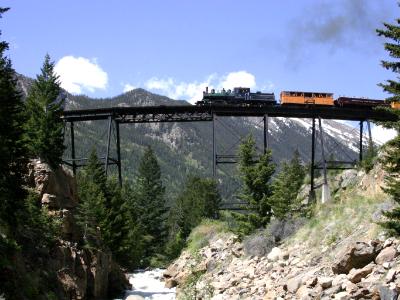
(241, 96)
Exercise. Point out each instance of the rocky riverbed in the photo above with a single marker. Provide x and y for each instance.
(340, 253)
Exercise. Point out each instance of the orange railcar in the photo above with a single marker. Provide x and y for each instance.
(395, 104)
(311, 98)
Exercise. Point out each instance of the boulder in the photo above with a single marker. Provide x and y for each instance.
(342, 296)
(356, 256)
(386, 255)
(100, 266)
(270, 295)
(390, 275)
(348, 178)
(59, 185)
(50, 201)
(274, 254)
(117, 280)
(170, 283)
(356, 275)
(325, 282)
(312, 281)
(304, 293)
(339, 279)
(293, 285)
(387, 293)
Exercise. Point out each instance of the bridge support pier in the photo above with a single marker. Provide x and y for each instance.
(107, 157)
(370, 141)
(326, 195)
(73, 148)
(118, 153)
(361, 141)
(214, 145)
(312, 167)
(266, 121)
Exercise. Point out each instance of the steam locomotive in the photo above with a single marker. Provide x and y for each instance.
(241, 96)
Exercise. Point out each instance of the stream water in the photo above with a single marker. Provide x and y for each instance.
(148, 285)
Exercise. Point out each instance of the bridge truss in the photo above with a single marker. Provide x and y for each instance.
(190, 113)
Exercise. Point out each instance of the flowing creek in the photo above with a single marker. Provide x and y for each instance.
(148, 284)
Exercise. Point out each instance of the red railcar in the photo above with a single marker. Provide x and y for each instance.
(359, 102)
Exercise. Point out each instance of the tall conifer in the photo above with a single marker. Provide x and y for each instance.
(391, 159)
(286, 186)
(92, 206)
(150, 198)
(44, 106)
(256, 190)
(12, 149)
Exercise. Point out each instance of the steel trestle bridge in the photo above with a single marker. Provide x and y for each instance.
(209, 113)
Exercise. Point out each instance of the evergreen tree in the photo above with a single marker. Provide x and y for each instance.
(134, 241)
(107, 215)
(286, 186)
(199, 199)
(12, 168)
(44, 106)
(150, 199)
(116, 223)
(391, 159)
(13, 152)
(256, 190)
(92, 206)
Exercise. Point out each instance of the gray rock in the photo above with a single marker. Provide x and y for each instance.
(342, 296)
(390, 275)
(386, 293)
(348, 178)
(325, 282)
(293, 285)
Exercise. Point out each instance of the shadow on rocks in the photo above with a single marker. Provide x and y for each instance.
(261, 242)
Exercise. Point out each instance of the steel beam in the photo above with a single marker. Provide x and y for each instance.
(326, 194)
(214, 145)
(73, 148)
(108, 144)
(266, 119)
(361, 141)
(370, 141)
(321, 136)
(118, 154)
(312, 188)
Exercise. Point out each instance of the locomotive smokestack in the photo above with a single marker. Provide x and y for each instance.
(206, 89)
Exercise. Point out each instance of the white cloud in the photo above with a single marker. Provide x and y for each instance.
(79, 74)
(128, 87)
(193, 91)
(381, 134)
(238, 79)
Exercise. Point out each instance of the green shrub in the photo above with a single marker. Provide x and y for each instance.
(202, 234)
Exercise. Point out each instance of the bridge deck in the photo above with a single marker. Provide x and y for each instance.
(192, 113)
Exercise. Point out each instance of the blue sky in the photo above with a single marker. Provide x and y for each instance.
(177, 47)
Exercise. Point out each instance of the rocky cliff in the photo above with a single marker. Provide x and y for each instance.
(339, 253)
(81, 273)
